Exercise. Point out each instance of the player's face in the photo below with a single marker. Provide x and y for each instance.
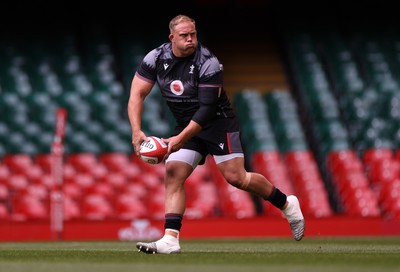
(184, 39)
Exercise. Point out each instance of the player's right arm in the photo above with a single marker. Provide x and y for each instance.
(140, 88)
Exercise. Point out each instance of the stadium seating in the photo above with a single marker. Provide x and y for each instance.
(357, 74)
(333, 140)
(4, 213)
(285, 159)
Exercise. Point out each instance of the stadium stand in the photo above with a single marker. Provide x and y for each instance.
(343, 83)
(320, 121)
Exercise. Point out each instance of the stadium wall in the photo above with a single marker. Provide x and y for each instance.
(218, 228)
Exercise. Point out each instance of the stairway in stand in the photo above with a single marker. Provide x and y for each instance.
(252, 65)
(243, 35)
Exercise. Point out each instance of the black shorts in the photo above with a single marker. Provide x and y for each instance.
(220, 137)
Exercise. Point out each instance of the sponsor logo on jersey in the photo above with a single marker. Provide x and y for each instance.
(166, 66)
(177, 87)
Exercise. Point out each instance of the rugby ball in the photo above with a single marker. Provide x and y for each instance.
(153, 151)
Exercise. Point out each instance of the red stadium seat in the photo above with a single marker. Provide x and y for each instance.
(307, 183)
(17, 182)
(115, 179)
(384, 170)
(83, 162)
(71, 208)
(132, 172)
(4, 192)
(138, 189)
(4, 213)
(73, 191)
(68, 171)
(353, 181)
(96, 207)
(266, 157)
(18, 163)
(34, 172)
(390, 194)
(117, 161)
(31, 207)
(4, 173)
(316, 204)
(151, 180)
(98, 171)
(44, 161)
(120, 163)
(342, 161)
(15, 160)
(155, 203)
(298, 157)
(102, 188)
(373, 154)
(363, 203)
(128, 207)
(83, 180)
(38, 191)
(339, 156)
(45, 179)
(203, 201)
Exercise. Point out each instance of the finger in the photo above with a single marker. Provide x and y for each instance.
(169, 149)
(137, 151)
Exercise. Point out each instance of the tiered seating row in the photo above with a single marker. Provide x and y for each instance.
(109, 186)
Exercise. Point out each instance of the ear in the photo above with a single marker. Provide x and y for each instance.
(171, 37)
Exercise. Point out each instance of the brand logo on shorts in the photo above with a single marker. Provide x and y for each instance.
(166, 66)
(176, 87)
(221, 145)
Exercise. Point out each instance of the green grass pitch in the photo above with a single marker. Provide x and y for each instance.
(264, 254)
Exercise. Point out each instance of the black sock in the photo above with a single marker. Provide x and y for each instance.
(277, 198)
(173, 221)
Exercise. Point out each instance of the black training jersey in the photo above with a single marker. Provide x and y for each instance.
(180, 78)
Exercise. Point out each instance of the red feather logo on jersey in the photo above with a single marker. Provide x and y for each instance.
(176, 87)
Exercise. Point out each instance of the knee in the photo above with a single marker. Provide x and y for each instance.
(237, 179)
(176, 173)
(172, 176)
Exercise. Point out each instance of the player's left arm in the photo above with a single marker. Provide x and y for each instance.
(208, 103)
(209, 91)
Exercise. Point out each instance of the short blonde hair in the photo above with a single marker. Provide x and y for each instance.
(179, 19)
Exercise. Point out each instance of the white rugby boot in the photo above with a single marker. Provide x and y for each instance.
(166, 245)
(295, 217)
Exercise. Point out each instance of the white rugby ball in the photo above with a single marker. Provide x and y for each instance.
(153, 151)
